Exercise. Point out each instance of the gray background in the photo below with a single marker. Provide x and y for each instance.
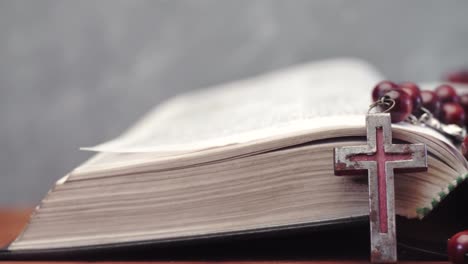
(75, 73)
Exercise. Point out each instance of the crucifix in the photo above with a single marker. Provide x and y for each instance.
(379, 158)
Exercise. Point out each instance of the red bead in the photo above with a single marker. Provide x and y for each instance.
(457, 248)
(464, 101)
(431, 102)
(381, 88)
(446, 94)
(403, 105)
(464, 147)
(453, 113)
(464, 104)
(414, 92)
(458, 76)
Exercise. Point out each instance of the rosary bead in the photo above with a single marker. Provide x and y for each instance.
(414, 92)
(381, 88)
(431, 102)
(464, 104)
(403, 105)
(458, 76)
(464, 100)
(447, 94)
(457, 248)
(453, 113)
(464, 147)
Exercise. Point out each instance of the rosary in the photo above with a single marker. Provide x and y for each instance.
(442, 110)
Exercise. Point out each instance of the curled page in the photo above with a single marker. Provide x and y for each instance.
(266, 106)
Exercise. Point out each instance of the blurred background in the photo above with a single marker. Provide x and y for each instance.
(76, 73)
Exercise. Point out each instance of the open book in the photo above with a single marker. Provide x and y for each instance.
(245, 157)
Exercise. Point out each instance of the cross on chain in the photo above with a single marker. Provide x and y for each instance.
(380, 158)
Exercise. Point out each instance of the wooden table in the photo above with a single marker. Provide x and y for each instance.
(13, 220)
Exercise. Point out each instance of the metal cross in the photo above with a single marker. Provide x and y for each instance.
(379, 158)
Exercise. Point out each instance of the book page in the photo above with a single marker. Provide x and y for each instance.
(265, 106)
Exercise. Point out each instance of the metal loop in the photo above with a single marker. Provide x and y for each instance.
(412, 119)
(386, 101)
(426, 111)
